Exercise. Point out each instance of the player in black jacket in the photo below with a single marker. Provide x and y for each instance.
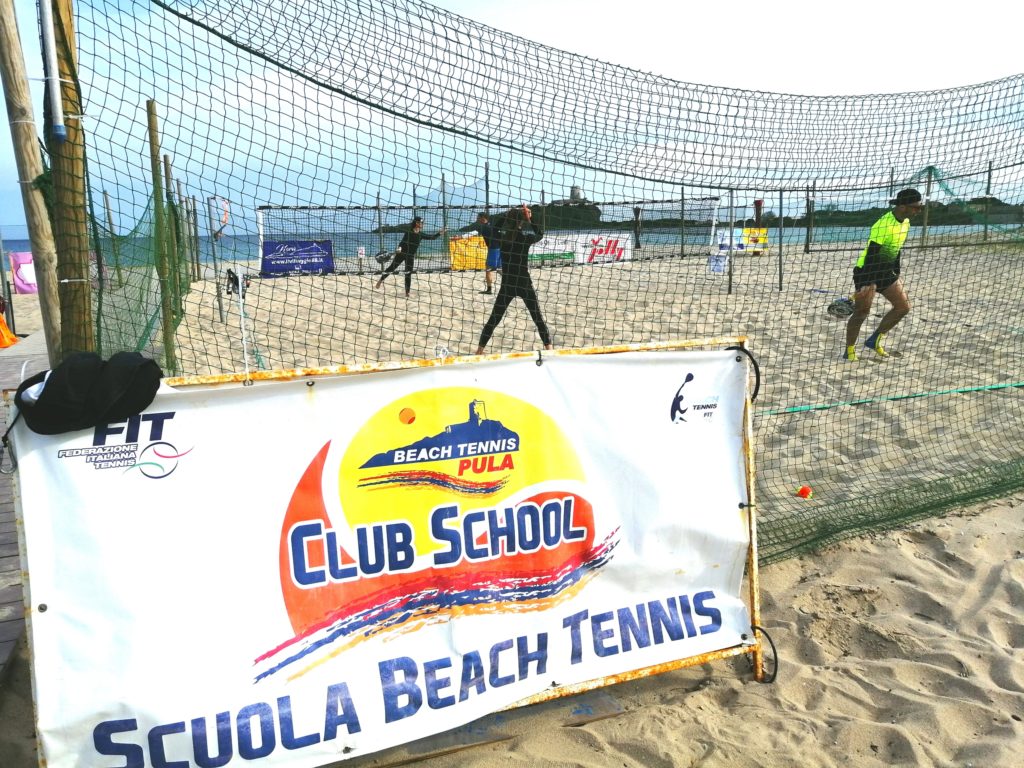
(515, 275)
(406, 252)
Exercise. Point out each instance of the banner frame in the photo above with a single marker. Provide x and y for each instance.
(753, 648)
(750, 645)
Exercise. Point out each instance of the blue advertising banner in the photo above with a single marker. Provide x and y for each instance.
(288, 257)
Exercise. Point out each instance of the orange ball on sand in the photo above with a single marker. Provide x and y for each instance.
(804, 492)
(407, 415)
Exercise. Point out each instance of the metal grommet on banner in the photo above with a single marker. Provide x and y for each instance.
(757, 369)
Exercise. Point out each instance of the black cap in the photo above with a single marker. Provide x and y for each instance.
(906, 197)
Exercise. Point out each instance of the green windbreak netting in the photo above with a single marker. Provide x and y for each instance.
(252, 166)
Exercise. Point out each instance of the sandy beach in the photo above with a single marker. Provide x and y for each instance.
(27, 317)
(903, 648)
(896, 648)
(942, 411)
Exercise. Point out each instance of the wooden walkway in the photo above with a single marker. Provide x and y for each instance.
(29, 353)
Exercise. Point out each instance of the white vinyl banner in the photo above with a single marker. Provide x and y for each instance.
(297, 572)
(599, 248)
(587, 247)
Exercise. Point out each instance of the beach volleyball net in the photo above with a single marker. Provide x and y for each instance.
(304, 125)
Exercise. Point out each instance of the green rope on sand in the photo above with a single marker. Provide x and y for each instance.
(826, 406)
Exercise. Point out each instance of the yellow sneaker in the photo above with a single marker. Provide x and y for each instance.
(851, 353)
(874, 343)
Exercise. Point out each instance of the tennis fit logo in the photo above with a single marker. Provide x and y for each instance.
(136, 444)
(686, 404)
(677, 413)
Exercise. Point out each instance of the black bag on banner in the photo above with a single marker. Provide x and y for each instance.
(85, 391)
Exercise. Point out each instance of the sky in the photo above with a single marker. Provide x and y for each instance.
(809, 48)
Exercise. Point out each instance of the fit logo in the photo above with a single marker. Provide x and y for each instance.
(131, 428)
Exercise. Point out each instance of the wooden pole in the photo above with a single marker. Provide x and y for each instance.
(172, 230)
(487, 188)
(5, 289)
(211, 203)
(988, 198)
(682, 221)
(732, 236)
(30, 168)
(782, 232)
(444, 205)
(195, 237)
(70, 202)
(160, 242)
(380, 220)
(808, 219)
(186, 230)
(927, 205)
(115, 248)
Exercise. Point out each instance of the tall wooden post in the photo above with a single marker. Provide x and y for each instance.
(487, 188)
(444, 205)
(988, 198)
(30, 168)
(380, 221)
(70, 203)
(195, 237)
(211, 203)
(732, 236)
(186, 231)
(927, 205)
(782, 232)
(115, 249)
(173, 229)
(160, 243)
(682, 221)
(809, 235)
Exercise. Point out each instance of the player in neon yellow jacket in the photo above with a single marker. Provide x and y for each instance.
(878, 271)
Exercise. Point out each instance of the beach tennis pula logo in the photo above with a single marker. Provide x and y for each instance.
(448, 502)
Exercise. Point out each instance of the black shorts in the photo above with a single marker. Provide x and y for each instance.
(882, 275)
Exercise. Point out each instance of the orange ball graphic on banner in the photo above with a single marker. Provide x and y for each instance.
(407, 415)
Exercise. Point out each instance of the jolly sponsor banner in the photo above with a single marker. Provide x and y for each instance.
(285, 257)
(585, 247)
(604, 247)
(296, 572)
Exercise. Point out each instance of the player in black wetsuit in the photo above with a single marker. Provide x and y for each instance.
(515, 275)
(490, 236)
(406, 252)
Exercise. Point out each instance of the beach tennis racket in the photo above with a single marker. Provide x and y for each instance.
(383, 257)
(841, 307)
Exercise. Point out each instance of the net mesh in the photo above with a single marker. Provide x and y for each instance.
(260, 137)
